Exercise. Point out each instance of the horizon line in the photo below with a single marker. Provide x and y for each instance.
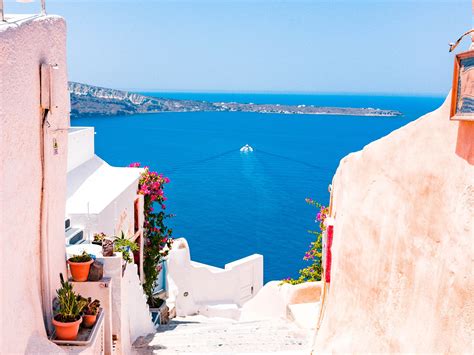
(278, 92)
(275, 92)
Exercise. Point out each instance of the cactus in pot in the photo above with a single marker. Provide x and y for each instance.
(68, 316)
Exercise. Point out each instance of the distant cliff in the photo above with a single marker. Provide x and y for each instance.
(88, 100)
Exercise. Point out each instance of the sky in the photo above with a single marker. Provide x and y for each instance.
(351, 46)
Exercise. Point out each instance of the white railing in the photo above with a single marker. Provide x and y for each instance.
(194, 286)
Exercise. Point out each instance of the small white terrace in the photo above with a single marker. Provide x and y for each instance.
(99, 196)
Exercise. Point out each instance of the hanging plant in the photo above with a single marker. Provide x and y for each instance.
(157, 235)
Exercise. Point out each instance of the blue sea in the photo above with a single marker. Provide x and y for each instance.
(230, 204)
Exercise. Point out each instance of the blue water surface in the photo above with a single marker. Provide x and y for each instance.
(230, 204)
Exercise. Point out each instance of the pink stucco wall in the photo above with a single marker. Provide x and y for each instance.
(402, 278)
(24, 45)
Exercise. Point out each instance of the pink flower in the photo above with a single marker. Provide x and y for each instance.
(163, 206)
(134, 165)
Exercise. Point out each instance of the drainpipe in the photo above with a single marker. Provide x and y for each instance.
(43, 233)
(47, 105)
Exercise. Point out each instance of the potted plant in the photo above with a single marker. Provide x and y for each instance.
(126, 247)
(99, 238)
(90, 312)
(68, 316)
(106, 243)
(80, 266)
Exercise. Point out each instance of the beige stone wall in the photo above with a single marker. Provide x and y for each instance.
(402, 278)
(24, 45)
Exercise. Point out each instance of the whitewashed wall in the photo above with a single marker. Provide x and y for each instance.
(193, 287)
(109, 219)
(403, 208)
(100, 197)
(80, 146)
(24, 45)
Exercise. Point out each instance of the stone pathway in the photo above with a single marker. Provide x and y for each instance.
(202, 335)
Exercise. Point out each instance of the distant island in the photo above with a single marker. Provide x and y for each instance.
(88, 100)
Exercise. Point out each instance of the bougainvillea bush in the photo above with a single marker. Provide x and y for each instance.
(314, 254)
(157, 236)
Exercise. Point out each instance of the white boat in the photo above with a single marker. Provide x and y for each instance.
(246, 148)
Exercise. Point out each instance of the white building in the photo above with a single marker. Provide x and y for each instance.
(100, 197)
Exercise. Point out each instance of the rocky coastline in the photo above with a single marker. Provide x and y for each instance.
(88, 100)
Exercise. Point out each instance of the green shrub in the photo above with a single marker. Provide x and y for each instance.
(122, 245)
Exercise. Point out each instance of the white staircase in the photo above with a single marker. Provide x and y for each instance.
(222, 310)
(202, 335)
(73, 235)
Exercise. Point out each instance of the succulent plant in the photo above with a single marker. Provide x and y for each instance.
(92, 307)
(70, 304)
(99, 237)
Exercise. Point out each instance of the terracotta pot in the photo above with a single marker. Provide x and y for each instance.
(80, 271)
(67, 331)
(88, 320)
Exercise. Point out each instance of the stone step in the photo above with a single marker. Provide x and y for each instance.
(74, 236)
(223, 310)
(198, 334)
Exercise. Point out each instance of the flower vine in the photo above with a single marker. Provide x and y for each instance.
(314, 254)
(157, 235)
